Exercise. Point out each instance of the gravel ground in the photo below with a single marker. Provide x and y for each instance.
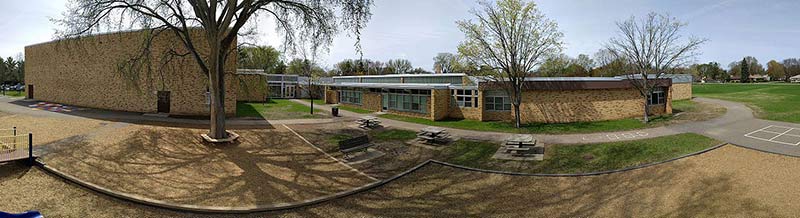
(266, 166)
(727, 182)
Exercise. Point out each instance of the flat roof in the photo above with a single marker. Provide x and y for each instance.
(402, 75)
(573, 79)
(394, 85)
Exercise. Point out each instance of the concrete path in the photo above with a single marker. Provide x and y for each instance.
(20, 106)
(732, 127)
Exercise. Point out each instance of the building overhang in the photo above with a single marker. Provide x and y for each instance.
(393, 85)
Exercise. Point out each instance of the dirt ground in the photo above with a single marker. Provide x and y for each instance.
(266, 166)
(727, 182)
(398, 156)
(48, 129)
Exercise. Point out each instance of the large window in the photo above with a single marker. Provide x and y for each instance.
(350, 96)
(407, 102)
(496, 101)
(465, 98)
(657, 97)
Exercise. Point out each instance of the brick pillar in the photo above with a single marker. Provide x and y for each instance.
(440, 104)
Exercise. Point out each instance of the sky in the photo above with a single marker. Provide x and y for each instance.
(419, 29)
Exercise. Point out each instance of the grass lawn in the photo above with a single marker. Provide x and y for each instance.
(693, 112)
(542, 128)
(316, 101)
(580, 158)
(355, 110)
(277, 109)
(779, 102)
(14, 93)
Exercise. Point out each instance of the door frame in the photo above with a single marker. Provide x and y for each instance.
(163, 107)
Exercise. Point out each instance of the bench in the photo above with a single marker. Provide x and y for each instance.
(354, 144)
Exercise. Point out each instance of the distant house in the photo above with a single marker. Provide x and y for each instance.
(759, 78)
(795, 79)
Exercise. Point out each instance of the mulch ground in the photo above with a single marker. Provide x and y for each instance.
(727, 182)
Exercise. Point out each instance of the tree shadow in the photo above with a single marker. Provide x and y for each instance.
(264, 167)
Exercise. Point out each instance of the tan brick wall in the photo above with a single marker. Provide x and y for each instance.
(86, 72)
(682, 91)
(580, 105)
(252, 88)
(371, 101)
(439, 104)
(472, 113)
(331, 96)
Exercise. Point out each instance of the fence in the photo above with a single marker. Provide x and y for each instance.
(14, 146)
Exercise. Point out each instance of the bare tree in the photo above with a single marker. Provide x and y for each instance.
(399, 66)
(221, 21)
(512, 37)
(444, 63)
(652, 46)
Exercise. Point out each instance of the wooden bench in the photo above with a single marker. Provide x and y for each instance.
(354, 144)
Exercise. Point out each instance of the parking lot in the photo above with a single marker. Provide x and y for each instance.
(777, 134)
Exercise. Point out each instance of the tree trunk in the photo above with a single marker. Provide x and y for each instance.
(217, 89)
(646, 111)
(517, 120)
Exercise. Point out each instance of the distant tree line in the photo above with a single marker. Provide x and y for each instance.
(12, 71)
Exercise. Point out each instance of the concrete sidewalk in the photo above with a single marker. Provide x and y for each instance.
(731, 127)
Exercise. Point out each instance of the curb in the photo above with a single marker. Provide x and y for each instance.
(223, 210)
(578, 174)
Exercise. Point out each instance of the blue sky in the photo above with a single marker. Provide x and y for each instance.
(419, 29)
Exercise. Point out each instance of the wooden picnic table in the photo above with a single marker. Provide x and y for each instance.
(520, 143)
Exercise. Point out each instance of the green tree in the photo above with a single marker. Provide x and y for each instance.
(555, 66)
(792, 67)
(745, 71)
(776, 70)
(512, 38)
(710, 70)
(445, 63)
(265, 58)
(399, 66)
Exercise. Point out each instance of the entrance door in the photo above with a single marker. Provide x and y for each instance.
(289, 91)
(30, 91)
(163, 101)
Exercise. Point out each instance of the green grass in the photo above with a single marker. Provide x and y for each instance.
(316, 101)
(581, 158)
(540, 128)
(14, 93)
(780, 102)
(394, 134)
(355, 110)
(277, 109)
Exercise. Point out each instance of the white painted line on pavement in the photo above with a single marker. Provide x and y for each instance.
(763, 130)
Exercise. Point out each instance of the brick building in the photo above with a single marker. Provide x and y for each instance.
(97, 72)
(546, 100)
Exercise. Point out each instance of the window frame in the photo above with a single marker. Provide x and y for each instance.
(492, 99)
(461, 97)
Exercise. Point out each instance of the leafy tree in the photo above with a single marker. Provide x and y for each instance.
(745, 77)
(266, 58)
(445, 63)
(792, 67)
(419, 70)
(776, 70)
(555, 66)
(710, 70)
(399, 66)
(585, 62)
(652, 46)
(512, 37)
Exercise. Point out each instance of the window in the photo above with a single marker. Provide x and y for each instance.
(496, 101)
(465, 98)
(657, 97)
(350, 96)
(408, 102)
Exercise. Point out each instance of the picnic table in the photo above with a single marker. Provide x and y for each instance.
(433, 134)
(520, 144)
(368, 122)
